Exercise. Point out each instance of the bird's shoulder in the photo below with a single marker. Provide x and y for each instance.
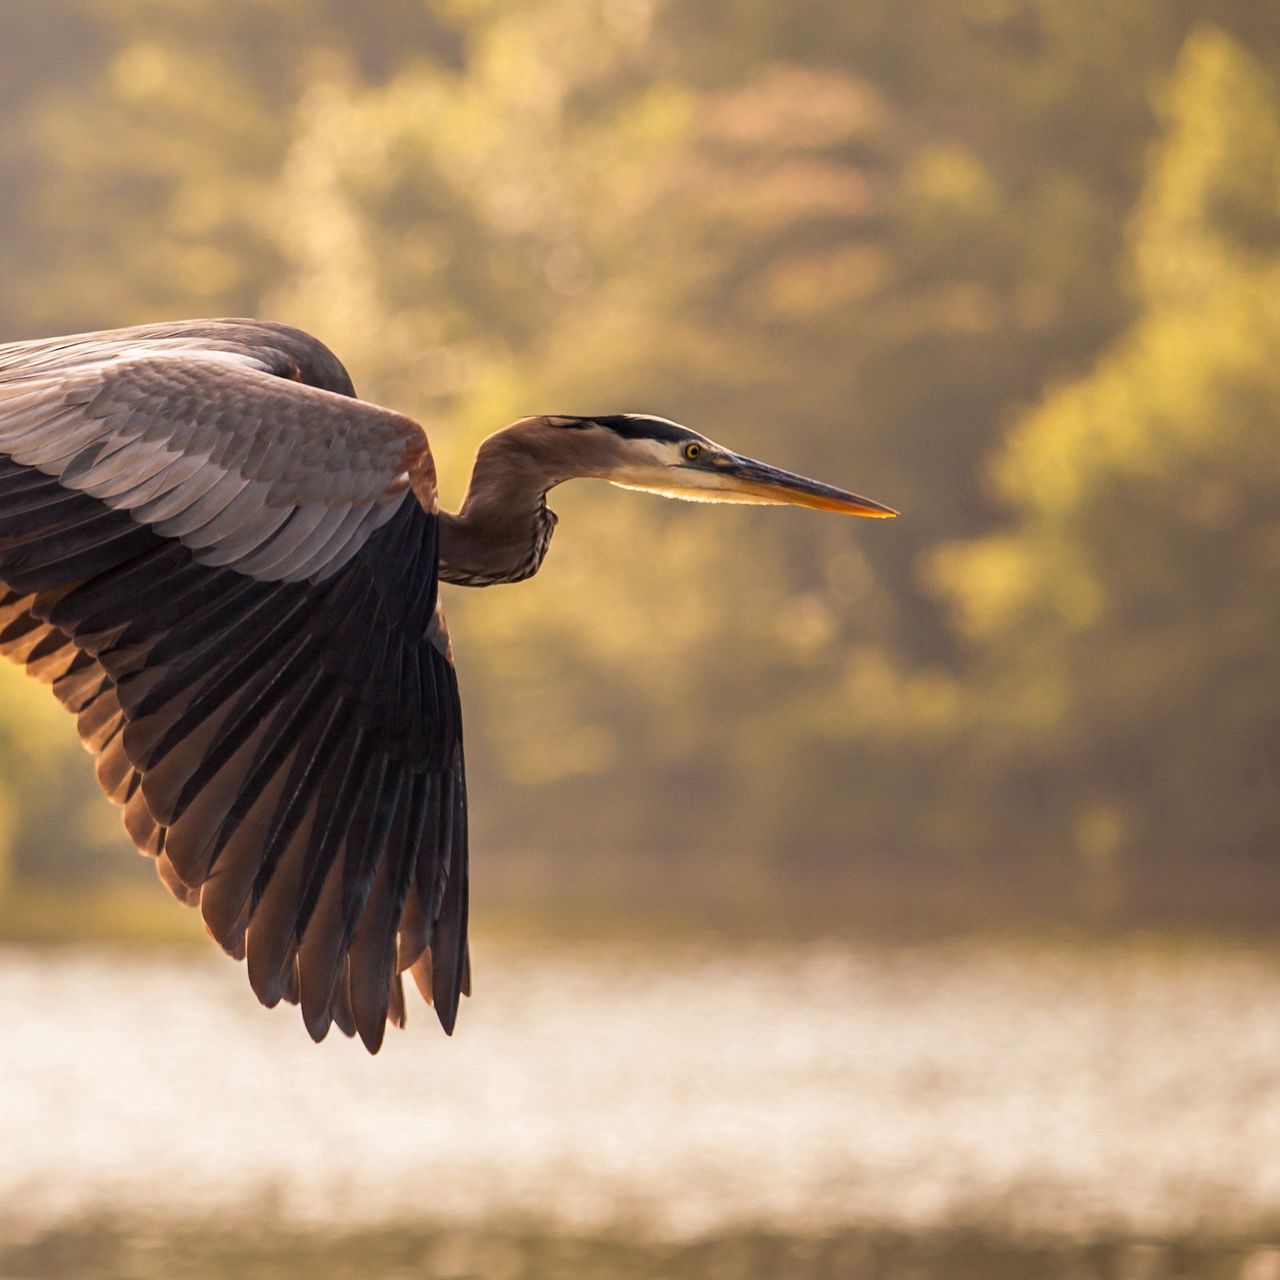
(182, 422)
(276, 348)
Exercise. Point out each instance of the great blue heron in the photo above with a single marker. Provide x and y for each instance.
(226, 565)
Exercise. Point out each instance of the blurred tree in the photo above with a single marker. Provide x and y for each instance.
(44, 49)
(167, 145)
(855, 239)
(1126, 623)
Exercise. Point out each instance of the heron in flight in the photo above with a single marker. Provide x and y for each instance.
(226, 566)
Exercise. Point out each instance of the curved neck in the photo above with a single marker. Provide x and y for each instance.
(503, 528)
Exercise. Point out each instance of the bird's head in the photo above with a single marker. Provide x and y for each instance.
(651, 454)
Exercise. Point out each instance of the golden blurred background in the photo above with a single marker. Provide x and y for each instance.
(1012, 266)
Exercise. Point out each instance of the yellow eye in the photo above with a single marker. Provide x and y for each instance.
(691, 452)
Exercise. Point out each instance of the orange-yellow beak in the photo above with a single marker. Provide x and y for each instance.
(759, 482)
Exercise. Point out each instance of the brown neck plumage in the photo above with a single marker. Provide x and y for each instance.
(501, 531)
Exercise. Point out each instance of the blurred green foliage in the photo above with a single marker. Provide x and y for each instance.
(1010, 265)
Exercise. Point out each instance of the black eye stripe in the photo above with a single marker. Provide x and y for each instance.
(643, 428)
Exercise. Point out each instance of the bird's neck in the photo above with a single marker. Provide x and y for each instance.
(503, 528)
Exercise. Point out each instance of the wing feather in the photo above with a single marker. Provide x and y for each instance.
(307, 531)
(207, 551)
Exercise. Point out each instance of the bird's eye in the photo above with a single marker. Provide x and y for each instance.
(692, 452)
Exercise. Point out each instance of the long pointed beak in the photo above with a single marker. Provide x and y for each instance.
(759, 482)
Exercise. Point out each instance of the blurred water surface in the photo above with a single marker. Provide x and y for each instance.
(673, 1091)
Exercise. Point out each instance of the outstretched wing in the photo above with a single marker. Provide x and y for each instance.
(226, 567)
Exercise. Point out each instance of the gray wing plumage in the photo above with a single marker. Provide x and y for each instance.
(211, 550)
(212, 436)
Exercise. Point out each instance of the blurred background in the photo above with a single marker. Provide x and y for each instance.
(852, 898)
